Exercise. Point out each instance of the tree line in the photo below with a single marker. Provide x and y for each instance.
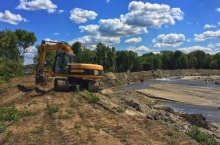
(124, 60)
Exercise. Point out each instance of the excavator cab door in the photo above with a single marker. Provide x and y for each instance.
(62, 63)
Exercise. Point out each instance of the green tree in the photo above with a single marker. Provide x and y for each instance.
(192, 61)
(76, 47)
(200, 56)
(25, 40)
(8, 44)
(86, 55)
(166, 58)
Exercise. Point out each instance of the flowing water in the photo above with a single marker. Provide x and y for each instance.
(211, 113)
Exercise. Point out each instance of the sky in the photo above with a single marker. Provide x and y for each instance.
(140, 26)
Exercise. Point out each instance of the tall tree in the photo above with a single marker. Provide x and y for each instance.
(192, 61)
(166, 57)
(25, 40)
(8, 44)
(76, 47)
(200, 56)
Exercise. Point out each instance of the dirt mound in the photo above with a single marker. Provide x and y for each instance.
(196, 119)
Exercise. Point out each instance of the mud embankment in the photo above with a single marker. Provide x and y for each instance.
(119, 79)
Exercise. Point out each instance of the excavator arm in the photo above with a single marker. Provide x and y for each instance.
(59, 46)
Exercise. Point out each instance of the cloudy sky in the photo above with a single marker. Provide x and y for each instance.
(140, 26)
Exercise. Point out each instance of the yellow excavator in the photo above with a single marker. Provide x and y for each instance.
(66, 67)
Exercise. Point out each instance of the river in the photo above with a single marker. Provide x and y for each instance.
(211, 113)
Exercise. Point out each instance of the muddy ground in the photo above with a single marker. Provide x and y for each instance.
(130, 117)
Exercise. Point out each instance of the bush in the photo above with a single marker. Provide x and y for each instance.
(200, 136)
(52, 110)
(10, 69)
(12, 114)
(92, 98)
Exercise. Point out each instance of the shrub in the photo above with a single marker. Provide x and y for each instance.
(12, 114)
(63, 117)
(201, 136)
(92, 98)
(52, 110)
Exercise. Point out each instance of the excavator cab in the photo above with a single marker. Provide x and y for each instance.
(62, 62)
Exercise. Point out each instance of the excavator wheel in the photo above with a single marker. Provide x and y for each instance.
(61, 85)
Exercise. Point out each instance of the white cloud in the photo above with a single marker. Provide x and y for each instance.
(32, 49)
(189, 23)
(210, 45)
(28, 57)
(218, 23)
(56, 33)
(60, 11)
(209, 26)
(94, 40)
(112, 27)
(189, 40)
(194, 48)
(169, 40)
(107, 1)
(90, 29)
(207, 35)
(151, 15)
(139, 50)
(37, 5)
(134, 40)
(217, 45)
(11, 18)
(218, 9)
(79, 15)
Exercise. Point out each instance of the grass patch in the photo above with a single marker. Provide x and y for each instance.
(2, 129)
(32, 103)
(63, 117)
(77, 89)
(169, 133)
(74, 104)
(52, 110)
(69, 111)
(79, 98)
(2, 81)
(119, 109)
(13, 114)
(97, 127)
(173, 142)
(38, 130)
(77, 126)
(92, 98)
(8, 135)
(201, 137)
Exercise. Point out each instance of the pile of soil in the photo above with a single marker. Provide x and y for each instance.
(197, 120)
